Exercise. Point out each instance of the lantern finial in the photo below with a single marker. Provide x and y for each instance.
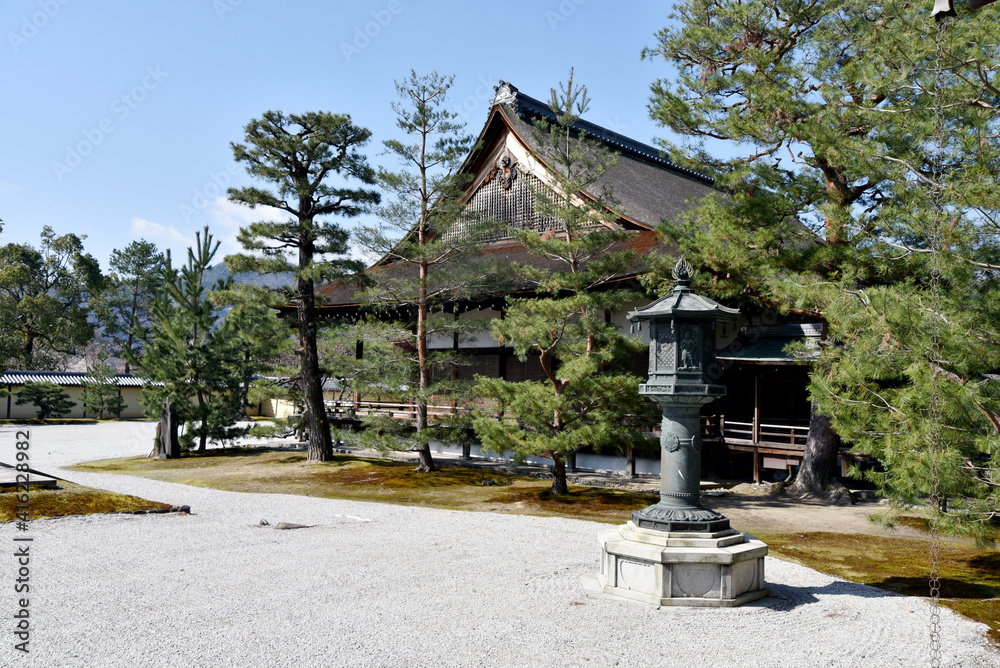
(682, 272)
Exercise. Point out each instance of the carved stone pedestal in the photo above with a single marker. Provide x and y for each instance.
(721, 569)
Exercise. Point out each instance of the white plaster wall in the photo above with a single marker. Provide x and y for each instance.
(131, 395)
(480, 338)
(584, 462)
(620, 320)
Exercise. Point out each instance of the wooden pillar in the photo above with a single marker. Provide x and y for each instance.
(10, 389)
(359, 353)
(502, 351)
(756, 428)
(756, 408)
(630, 462)
(454, 367)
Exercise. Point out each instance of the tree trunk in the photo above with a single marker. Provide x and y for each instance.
(423, 373)
(630, 462)
(203, 437)
(245, 389)
(559, 485)
(320, 443)
(157, 448)
(426, 464)
(128, 339)
(815, 478)
(170, 447)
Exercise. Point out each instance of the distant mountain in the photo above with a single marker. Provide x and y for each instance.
(273, 281)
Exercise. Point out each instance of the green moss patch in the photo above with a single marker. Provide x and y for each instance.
(599, 504)
(970, 576)
(72, 499)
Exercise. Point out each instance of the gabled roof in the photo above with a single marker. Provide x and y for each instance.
(646, 187)
(344, 293)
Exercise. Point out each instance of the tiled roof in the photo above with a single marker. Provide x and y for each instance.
(345, 293)
(646, 188)
(766, 345)
(68, 378)
(528, 107)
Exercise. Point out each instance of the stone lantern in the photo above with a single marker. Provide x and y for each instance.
(681, 370)
(677, 552)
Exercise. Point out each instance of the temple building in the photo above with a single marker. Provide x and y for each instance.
(762, 422)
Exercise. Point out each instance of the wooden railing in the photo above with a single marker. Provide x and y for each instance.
(402, 410)
(792, 437)
(788, 436)
(780, 444)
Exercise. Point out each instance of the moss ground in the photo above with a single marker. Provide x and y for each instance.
(71, 499)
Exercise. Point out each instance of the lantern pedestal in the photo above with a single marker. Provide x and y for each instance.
(721, 570)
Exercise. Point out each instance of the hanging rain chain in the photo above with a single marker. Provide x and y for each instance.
(936, 499)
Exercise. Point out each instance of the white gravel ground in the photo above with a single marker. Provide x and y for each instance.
(382, 585)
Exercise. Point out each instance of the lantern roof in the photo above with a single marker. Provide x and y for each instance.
(682, 301)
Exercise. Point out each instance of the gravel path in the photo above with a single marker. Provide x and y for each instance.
(382, 585)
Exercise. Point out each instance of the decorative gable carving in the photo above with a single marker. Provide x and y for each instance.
(506, 169)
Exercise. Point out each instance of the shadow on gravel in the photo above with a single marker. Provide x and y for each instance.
(950, 588)
(792, 597)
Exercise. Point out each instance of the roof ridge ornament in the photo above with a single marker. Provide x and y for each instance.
(505, 93)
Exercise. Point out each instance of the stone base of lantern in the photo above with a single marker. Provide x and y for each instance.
(721, 570)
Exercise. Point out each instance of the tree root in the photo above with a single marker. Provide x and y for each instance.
(835, 494)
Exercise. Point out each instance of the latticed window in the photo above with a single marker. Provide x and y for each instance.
(503, 205)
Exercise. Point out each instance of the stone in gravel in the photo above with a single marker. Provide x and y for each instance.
(280, 525)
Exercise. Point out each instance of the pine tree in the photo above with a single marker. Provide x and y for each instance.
(123, 308)
(100, 392)
(299, 154)
(782, 85)
(588, 397)
(50, 399)
(258, 333)
(423, 266)
(890, 125)
(193, 353)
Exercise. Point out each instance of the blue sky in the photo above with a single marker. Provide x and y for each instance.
(119, 114)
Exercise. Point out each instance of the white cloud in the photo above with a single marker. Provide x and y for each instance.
(8, 187)
(165, 236)
(227, 217)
